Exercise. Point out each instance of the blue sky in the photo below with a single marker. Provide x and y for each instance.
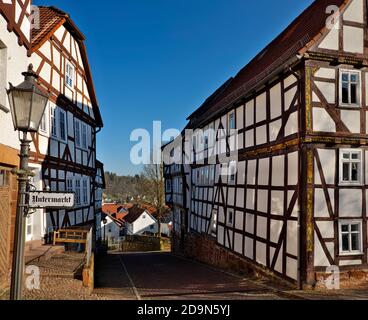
(160, 59)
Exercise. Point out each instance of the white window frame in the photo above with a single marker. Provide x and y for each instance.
(350, 223)
(84, 136)
(232, 113)
(53, 122)
(168, 186)
(59, 113)
(232, 177)
(44, 121)
(69, 75)
(78, 192)
(85, 191)
(361, 168)
(359, 98)
(228, 222)
(77, 133)
(214, 218)
(69, 185)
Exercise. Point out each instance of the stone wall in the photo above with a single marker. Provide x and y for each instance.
(205, 249)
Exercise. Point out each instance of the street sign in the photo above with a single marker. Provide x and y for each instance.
(51, 200)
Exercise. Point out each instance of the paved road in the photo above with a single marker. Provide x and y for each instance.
(162, 276)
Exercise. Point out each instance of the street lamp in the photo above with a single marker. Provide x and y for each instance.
(27, 105)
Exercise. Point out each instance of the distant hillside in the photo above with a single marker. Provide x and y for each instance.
(122, 188)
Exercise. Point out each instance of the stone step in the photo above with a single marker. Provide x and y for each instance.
(30, 245)
(44, 252)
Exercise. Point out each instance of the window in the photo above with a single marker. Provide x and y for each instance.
(77, 192)
(350, 237)
(351, 167)
(349, 88)
(206, 138)
(62, 125)
(231, 121)
(213, 229)
(230, 217)
(69, 185)
(85, 191)
(212, 174)
(84, 136)
(43, 124)
(69, 75)
(4, 178)
(29, 225)
(53, 122)
(168, 185)
(206, 175)
(77, 133)
(232, 172)
(172, 153)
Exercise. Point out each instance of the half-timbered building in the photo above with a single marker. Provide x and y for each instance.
(14, 44)
(63, 152)
(64, 149)
(294, 202)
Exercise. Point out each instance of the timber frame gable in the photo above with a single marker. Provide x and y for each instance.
(18, 15)
(55, 46)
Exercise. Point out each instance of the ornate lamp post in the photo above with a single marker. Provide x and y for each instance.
(27, 105)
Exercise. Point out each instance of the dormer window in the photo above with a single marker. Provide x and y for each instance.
(69, 75)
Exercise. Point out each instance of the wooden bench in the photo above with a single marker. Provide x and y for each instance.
(71, 236)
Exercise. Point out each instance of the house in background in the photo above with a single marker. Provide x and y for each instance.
(112, 221)
(294, 201)
(139, 221)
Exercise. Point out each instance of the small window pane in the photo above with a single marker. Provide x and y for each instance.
(345, 93)
(355, 244)
(345, 172)
(355, 228)
(3, 178)
(345, 242)
(354, 78)
(346, 156)
(345, 77)
(231, 121)
(345, 228)
(355, 172)
(354, 94)
(355, 156)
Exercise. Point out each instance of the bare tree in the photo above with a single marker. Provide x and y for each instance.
(153, 185)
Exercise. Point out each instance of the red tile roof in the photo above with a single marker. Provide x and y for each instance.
(294, 38)
(111, 208)
(134, 213)
(51, 18)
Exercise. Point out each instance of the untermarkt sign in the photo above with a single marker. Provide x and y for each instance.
(51, 200)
